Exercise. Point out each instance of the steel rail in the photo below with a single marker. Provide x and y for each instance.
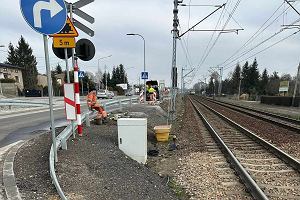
(233, 107)
(250, 184)
(278, 152)
(288, 119)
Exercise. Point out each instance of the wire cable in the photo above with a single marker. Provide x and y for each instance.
(266, 48)
(257, 33)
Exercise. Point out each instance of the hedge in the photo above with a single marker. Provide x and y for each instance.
(280, 101)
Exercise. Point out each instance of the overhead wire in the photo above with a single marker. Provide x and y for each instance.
(212, 35)
(256, 34)
(285, 38)
(224, 26)
(259, 44)
(216, 40)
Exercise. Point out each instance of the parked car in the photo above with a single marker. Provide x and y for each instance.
(33, 93)
(102, 94)
(111, 94)
(128, 93)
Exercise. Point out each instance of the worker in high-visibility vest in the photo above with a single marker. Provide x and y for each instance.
(151, 91)
(93, 104)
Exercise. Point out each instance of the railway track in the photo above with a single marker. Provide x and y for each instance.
(285, 122)
(266, 171)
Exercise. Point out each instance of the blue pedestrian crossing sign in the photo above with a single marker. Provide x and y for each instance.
(81, 74)
(145, 75)
(45, 17)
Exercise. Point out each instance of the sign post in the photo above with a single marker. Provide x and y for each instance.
(144, 76)
(46, 24)
(81, 76)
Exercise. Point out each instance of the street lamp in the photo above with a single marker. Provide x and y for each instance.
(135, 34)
(1, 92)
(99, 69)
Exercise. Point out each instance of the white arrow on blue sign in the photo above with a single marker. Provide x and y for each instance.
(145, 75)
(45, 17)
(81, 74)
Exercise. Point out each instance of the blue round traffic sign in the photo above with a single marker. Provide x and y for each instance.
(44, 16)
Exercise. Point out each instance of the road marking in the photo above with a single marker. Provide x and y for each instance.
(29, 113)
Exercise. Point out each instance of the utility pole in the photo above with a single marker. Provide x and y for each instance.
(99, 77)
(105, 79)
(296, 85)
(185, 75)
(220, 83)
(239, 93)
(174, 54)
(182, 79)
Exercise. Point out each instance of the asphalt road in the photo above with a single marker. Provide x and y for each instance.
(24, 127)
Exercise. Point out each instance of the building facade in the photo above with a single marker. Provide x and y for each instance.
(12, 72)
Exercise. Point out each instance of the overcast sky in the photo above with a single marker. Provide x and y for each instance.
(153, 20)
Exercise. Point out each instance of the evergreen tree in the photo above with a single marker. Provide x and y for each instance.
(55, 84)
(118, 75)
(113, 78)
(264, 82)
(88, 84)
(211, 87)
(58, 69)
(254, 78)
(273, 84)
(226, 86)
(11, 58)
(235, 79)
(108, 80)
(245, 78)
(71, 77)
(22, 57)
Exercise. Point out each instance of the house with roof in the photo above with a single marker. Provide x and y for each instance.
(12, 72)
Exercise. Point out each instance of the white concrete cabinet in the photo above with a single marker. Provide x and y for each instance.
(132, 138)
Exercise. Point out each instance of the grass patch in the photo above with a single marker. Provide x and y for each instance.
(179, 191)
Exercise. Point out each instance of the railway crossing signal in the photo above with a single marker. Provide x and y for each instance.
(74, 8)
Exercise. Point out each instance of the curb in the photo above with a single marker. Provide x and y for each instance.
(9, 181)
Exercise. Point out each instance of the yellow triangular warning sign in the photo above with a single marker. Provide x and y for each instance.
(69, 30)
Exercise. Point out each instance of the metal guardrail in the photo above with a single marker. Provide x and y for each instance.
(61, 139)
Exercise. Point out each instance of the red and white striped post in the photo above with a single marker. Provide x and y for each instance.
(77, 98)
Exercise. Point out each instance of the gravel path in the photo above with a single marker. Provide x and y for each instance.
(94, 168)
(31, 169)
